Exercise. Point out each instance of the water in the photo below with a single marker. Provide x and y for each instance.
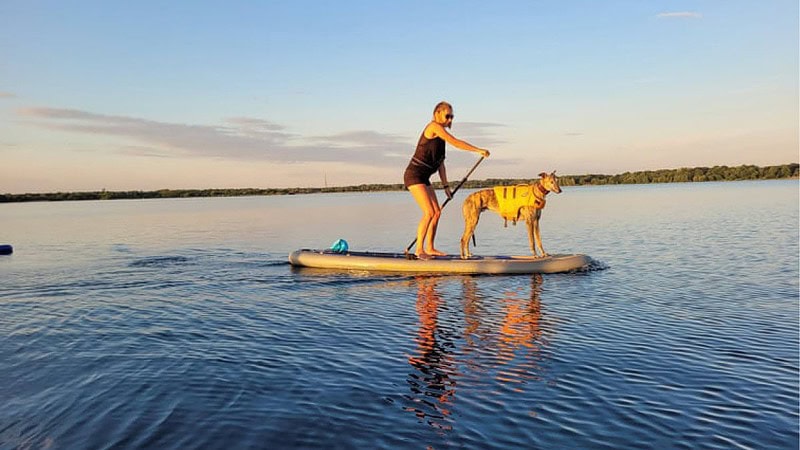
(178, 324)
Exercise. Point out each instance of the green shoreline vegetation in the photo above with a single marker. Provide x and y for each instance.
(682, 175)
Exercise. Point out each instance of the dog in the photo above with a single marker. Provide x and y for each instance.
(530, 201)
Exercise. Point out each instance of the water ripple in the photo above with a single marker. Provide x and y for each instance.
(160, 261)
(657, 346)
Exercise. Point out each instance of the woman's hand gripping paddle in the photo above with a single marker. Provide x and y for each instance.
(452, 194)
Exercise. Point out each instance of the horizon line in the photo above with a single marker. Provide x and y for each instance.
(102, 190)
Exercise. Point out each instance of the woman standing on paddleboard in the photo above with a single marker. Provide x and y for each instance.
(427, 160)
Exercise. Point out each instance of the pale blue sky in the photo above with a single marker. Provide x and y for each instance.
(149, 95)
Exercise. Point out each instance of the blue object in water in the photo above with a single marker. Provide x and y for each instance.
(340, 246)
(6, 249)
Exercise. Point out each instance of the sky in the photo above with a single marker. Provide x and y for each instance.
(200, 94)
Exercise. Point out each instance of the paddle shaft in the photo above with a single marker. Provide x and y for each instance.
(452, 194)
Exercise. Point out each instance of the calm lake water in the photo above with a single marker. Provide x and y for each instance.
(178, 324)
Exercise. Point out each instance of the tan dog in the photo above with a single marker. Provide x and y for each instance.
(524, 201)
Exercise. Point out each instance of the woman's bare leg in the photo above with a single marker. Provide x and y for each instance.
(421, 195)
(434, 224)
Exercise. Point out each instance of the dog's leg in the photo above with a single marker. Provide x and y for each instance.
(537, 234)
(531, 232)
(472, 211)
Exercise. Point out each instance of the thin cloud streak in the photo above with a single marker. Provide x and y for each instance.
(481, 134)
(7, 95)
(680, 15)
(364, 138)
(244, 138)
(239, 138)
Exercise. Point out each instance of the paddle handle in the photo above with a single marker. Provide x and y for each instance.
(452, 194)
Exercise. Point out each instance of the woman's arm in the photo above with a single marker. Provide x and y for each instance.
(443, 174)
(438, 130)
(443, 177)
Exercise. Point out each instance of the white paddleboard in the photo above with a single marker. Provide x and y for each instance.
(398, 262)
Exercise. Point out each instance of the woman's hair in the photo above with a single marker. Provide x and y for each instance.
(440, 106)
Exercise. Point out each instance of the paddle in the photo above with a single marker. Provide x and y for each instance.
(452, 194)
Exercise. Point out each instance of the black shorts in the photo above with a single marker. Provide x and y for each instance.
(415, 174)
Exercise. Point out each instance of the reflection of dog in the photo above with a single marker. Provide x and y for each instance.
(524, 201)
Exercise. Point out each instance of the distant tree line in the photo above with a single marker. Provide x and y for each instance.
(683, 175)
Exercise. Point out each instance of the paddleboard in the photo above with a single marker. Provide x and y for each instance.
(398, 262)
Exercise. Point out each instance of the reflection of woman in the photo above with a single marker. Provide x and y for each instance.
(434, 365)
(427, 160)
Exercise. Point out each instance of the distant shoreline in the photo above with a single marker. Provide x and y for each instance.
(682, 175)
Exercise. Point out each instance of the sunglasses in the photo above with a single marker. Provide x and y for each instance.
(449, 116)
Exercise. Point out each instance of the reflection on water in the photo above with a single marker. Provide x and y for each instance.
(433, 383)
(453, 345)
(178, 324)
(521, 335)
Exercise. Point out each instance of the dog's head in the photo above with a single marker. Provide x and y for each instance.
(550, 182)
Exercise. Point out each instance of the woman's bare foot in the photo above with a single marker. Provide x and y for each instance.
(434, 252)
(423, 256)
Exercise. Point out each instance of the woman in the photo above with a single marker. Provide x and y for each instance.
(427, 160)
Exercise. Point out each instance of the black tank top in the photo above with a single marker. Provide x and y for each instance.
(429, 153)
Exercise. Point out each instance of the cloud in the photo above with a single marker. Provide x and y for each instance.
(245, 138)
(255, 124)
(238, 138)
(363, 138)
(679, 15)
(482, 134)
(7, 95)
(139, 150)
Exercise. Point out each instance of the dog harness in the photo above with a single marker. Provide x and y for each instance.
(511, 199)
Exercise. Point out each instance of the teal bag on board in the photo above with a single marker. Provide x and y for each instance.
(340, 246)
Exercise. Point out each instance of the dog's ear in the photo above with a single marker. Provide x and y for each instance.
(543, 174)
(554, 173)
